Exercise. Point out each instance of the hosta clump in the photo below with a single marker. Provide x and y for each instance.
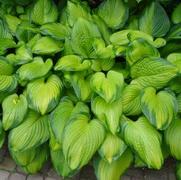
(98, 86)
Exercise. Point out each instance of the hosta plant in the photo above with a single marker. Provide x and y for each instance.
(91, 83)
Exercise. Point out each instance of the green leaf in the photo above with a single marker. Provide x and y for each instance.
(31, 161)
(114, 13)
(6, 44)
(172, 138)
(29, 134)
(109, 113)
(76, 10)
(175, 58)
(8, 83)
(60, 164)
(82, 138)
(160, 108)
(179, 102)
(112, 148)
(108, 86)
(145, 140)
(121, 38)
(151, 71)
(83, 34)
(178, 170)
(44, 11)
(36, 69)
(52, 46)
(5, 67)
(114, 170)
(55, 30)
(176, 17)
(4, 30)
(23, 55)
(154, 20)
(131, 99)
(14, 110)
(12, 22)
(81, 86)
(72, 63)
(60, 116)
(139, 49)
(2, 135)
(43, 94)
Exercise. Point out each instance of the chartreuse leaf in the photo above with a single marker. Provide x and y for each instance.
(14, 110)
(176, 17)
(8, 83)
(154, 20)
(12, 22)
(121, 38)
(108, 86)
(145, 140)
(114, 13)
(23, 55)
(44, 11)
(175, 58)
(159, 108)
(139, 49)
(5, 44)
(151, 71)
(52, 46)
(4, 30)
(60, 116)
(5, 67)
(83, 34)
(29, 134)
(112, 148)
(43, 94)
(109, 113)
(113, 171)
(60, 164)
(82, 138)
(2, 135)
(55, 30)
(32, 160)
(179, 102)
(72, 63)
(39, 160)
(76, 10)
(172, 138)
(131, 99)
(35, 69)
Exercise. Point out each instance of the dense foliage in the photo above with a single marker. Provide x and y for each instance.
(91, 82)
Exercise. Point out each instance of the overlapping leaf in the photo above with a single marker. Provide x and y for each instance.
(159, 108)
(30, 134)
(145, 140)
(82, 138)
(44, 94)
(14, 110)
